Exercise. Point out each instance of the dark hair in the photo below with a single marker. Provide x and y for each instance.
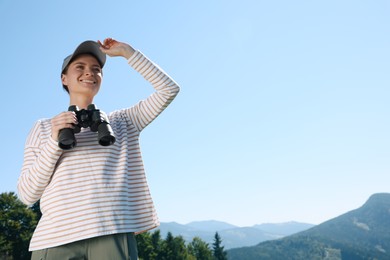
(64, 72)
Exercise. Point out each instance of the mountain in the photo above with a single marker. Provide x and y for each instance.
(232, 236)
(363, 233)
(283, 229)
(210, 225)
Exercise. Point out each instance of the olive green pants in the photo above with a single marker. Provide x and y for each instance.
(112, 247)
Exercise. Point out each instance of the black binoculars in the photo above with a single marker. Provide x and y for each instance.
(92, 118)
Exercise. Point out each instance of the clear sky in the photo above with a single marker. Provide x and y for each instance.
(283, 113)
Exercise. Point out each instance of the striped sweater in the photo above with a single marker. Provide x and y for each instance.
(94, 190)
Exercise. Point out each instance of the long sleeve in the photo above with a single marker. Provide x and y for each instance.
(166, 88)
(40, 159)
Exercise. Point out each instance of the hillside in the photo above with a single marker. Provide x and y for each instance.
(232, 236)
(363, 233)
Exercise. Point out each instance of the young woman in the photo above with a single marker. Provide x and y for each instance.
(93, 198)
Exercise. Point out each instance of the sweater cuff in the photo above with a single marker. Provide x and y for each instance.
(133, 58)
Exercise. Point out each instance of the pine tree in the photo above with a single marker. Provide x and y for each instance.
(157, 244)
(146, 250)
(218, 249)
(200, 249)
(174, 248)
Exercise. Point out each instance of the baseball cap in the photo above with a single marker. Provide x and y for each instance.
(87, 47)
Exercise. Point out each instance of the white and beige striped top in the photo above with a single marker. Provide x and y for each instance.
(94, 190)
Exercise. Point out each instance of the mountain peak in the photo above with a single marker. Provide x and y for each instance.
(378, 199)
(213, 225)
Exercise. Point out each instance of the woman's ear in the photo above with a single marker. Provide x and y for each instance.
(64, 80)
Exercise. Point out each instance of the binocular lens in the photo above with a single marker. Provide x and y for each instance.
(105, 135)
(66, 139)
(106, 140)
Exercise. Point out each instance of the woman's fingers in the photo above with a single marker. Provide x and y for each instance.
(64, 120)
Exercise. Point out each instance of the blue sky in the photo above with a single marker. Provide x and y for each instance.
(283, 113)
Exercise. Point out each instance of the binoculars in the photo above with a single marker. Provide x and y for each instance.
(92, 118)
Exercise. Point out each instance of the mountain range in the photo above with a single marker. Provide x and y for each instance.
(232, 236)
(363, 233)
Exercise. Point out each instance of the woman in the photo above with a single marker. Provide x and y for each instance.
(93, 198)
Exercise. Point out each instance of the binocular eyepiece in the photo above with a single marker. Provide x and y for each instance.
(92, 118)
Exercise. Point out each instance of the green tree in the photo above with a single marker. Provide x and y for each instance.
(200, 249)
(149, 245)
(174, 248)
(145, 247)
(17, 223)
(157, 241)
(152, 246)
(218, 249)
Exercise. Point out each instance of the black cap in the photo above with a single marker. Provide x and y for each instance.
(87, 47)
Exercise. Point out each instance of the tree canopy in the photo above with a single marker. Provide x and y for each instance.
(17, 224)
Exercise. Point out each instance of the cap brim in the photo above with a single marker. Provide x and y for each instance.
(87, 47)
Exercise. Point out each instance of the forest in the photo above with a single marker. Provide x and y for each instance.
(17, 224)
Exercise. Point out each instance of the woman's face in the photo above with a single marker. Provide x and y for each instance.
(83, 76)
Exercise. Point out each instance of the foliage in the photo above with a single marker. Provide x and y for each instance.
(152, 246)
(219, 252)
(200, 249)
(149, 245)
(174, 248)
(17, 223)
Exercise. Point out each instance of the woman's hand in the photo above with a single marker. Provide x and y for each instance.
(66, 119)
(114, 48)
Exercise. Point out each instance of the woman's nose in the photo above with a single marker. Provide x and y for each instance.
(88, 72)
